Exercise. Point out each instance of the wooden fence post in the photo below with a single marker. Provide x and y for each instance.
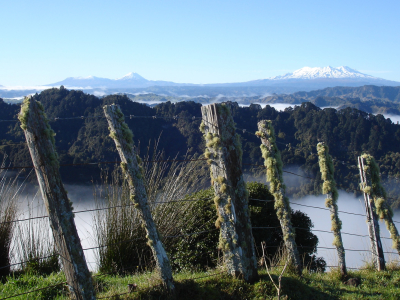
(372, 217)
(383, 209)
(123, 138)
(224, 151)
(40, 139)
(329, 188)
(273, 163)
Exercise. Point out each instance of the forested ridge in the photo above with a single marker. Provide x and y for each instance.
(365, 93)
(348, 133)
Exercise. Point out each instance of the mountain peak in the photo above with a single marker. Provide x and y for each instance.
(130, 76)
(324, 72)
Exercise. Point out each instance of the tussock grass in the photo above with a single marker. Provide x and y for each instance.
(9, 193)
(34, 240)
(120, 228)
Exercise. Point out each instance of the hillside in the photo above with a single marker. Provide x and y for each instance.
(348, 133)
(364, 93)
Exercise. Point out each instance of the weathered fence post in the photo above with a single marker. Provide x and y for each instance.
(224, 151)
(383, 209)
(133, 172)
(40, 139)
(372, 217)
(329, 188)
(273, 163)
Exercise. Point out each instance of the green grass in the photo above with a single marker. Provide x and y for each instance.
(374, 285)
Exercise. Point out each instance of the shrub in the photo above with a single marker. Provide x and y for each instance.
(200, 251)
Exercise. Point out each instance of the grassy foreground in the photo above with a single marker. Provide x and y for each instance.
(374, 285)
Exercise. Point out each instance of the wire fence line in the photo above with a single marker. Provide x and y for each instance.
(200, 232)
(180, 200)
(189, 234)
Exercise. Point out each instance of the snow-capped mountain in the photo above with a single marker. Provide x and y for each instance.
(325, 72)
(132, 76)
(308, 79)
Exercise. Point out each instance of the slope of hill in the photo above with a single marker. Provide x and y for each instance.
(366, 92)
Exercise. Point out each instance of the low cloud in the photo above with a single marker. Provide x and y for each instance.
(278, 106)
(354, 224)
(99, 93)
(395, 118)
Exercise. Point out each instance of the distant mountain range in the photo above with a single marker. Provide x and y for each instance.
(130, 80)
(305, 79)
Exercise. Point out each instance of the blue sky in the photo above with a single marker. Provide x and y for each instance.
(194, 41)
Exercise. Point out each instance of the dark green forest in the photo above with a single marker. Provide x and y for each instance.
(348, 133)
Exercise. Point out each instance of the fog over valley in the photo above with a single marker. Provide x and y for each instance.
(83, 199)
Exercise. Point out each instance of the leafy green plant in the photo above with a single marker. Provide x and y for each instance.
(200, 251)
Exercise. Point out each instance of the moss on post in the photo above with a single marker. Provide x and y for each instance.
(329, 188)
(377, 194)
(365, 163)
(133, 171)
(274, 165)
(224, 154)
(40, 139)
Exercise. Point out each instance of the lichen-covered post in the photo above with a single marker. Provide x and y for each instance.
(273, 163)
(378, 194)
(329, 188)
(131, 166)
(224, 153)
(40, 139)
(366, 185)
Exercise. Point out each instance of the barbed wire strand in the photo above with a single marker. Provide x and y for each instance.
(319, 230)
(116, 295)
(108, 162)
(27, 261)
(36, 290)
(324, 208)
(110, 207)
